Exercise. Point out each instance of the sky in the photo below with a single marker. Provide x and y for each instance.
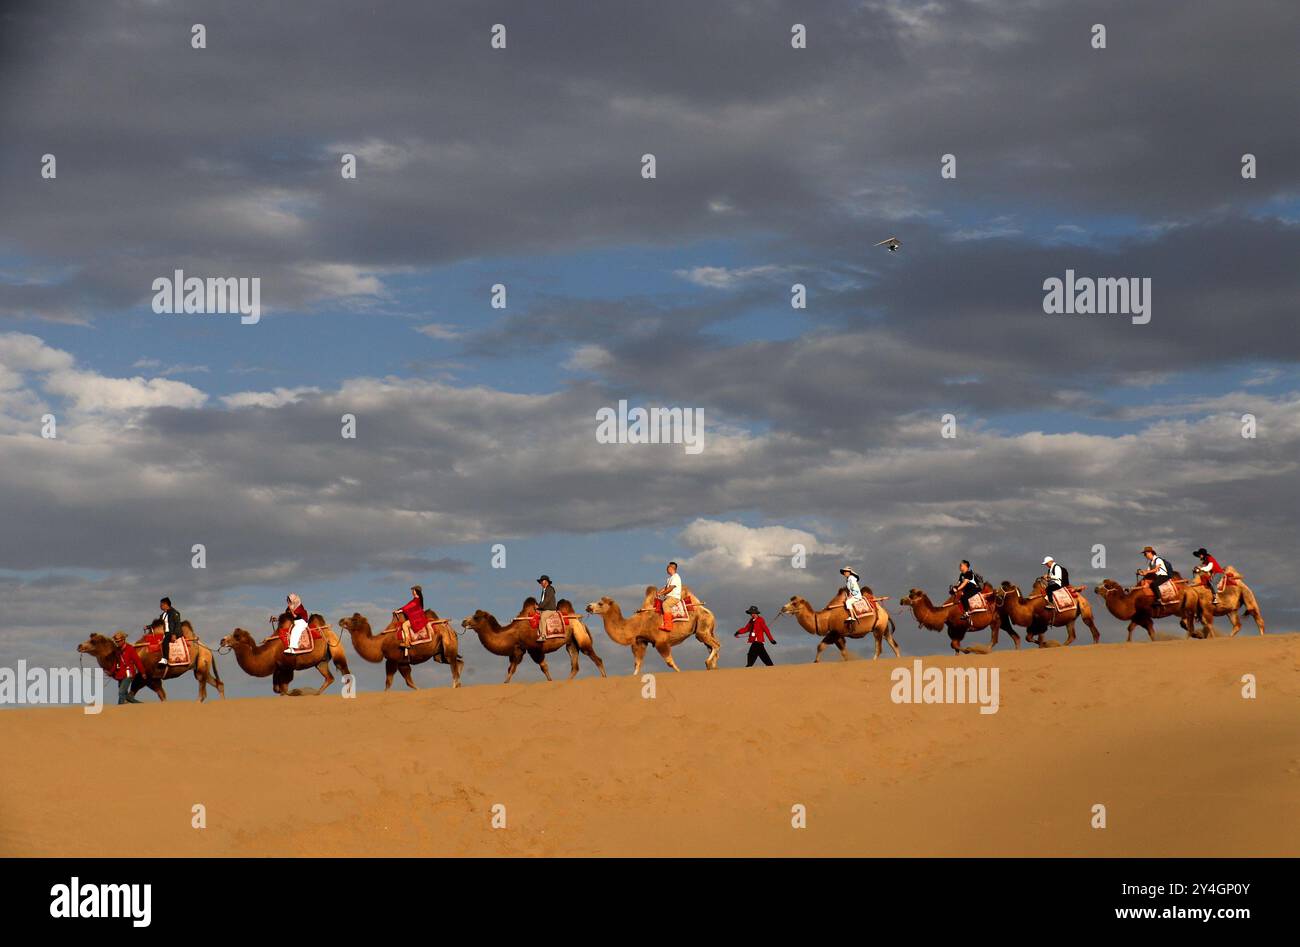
(523, 166)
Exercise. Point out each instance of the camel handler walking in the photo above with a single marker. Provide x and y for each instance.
(125, 668)
(545, 604)
(758, 632)
(412, 616)
(670, 595)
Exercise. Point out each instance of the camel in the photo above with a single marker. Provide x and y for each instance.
(519, 638)
(643, 628)
(1235, 596)
(1033, 614)
(386, 646)
(204, 664)
(1134, 605)
(269, 660)
(831, 622)
(948, 615)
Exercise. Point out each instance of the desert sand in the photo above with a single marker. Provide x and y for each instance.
(1159, 734)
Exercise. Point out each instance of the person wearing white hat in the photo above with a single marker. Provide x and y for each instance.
(1056, 577)
(853, 584)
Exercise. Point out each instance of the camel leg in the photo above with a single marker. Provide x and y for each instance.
(514, 663)
(1259, 620)
(390, 668)
(638, 656)
(844, 648)
(324, 668)
(714, 646)
(1092, 626)
(666, 652)
(1069, 633)
(880, 645)
(589, 649)
(889, 636)
(452, 653)
(572, 647)
(540, 658)
(405, 671)
(821, 646)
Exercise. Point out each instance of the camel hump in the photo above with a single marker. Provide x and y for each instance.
(565, 607)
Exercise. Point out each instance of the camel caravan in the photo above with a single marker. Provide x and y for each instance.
(666, 617)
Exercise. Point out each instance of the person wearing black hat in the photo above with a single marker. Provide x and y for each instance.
(544, 605)
(758, 632)
(1211, 573)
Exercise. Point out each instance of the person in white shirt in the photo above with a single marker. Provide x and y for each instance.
(852, 582)
(670, 595)
(1158, 574)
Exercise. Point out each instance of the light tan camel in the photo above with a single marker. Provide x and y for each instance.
(203, 664)
(1033, 614)
(269, 659)
(644, 627)
(1235, 596)
(519, 638)
(1135, 606)
(831, 624)
(443, 648)
(949, 616)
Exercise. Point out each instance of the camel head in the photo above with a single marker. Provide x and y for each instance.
(357, 623)
(601, 607)
(913, 596)
(479, 621)
(1108, 587)
(238, 637)
(1005, 589)
(795, 603)
(96, 644)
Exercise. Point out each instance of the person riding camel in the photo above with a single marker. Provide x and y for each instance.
(171, 621)
(969, 582)
(670, 596)
(545, 604)
(1211, 573)
(1157, 575)
(1056, 577)
(852, 583)
(298, 615)
(412, 617)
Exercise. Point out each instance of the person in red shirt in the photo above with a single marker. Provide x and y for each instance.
(758, 632)
(412, 616)
(126, 666)
(1211, 573)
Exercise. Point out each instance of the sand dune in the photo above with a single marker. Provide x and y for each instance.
(1158, 733)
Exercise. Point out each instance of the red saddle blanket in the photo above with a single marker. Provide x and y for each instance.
(423, 636)
(308, 643)
(860, 608)
(179, 650)
(681, 611)
(976, 603)
(1063, 599)
(1170, 593)
(554, 623)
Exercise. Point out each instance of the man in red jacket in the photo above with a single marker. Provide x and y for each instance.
(758, 632)
(125, 667)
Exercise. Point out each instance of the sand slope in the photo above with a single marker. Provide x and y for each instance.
(1159, 733)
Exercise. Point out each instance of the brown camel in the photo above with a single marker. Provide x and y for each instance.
(831, 624)
(1135, 606)
(1033, 614)
(204, 664)
(269, 660)
(644, 628)
(519, 638)
(1235, 596)
(386, 646)
(949, 616)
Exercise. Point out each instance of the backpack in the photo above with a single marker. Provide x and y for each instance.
(1065, 577)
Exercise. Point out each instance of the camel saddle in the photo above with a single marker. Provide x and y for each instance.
(179, 652)
(976, 603)
(681, 610)
(861, 608)
(552, 623)
(315, 636)
(1171, 592)
(423, 636)
(1063, 600)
